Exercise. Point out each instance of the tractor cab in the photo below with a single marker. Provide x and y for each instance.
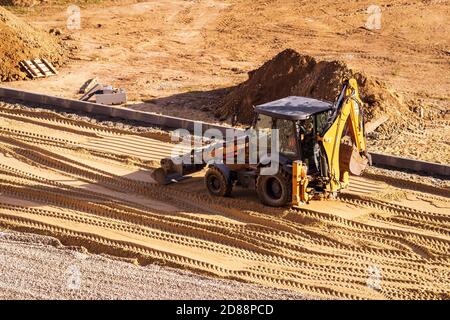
(299, 121)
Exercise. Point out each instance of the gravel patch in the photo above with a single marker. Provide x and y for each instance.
(39, 267)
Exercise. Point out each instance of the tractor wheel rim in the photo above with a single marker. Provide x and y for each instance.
(274, 188)
(214, 183)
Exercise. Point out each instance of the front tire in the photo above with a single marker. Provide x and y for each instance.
(217, 184)
(275, 191)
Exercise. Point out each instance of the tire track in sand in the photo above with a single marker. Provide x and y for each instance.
(320, 252)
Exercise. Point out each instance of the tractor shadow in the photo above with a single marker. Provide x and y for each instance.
(196, 185)
(193, 105)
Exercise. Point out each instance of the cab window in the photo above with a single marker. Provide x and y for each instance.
(263, 123)
(321, 122)
(287, 135)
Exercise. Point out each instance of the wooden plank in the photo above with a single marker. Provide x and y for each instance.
(29, 64)
(91, 92)
(88, 85)
(27, 69)
(37, 66)
(42, 65)
(35, 70)
(374, 124)
(44, 68)
(50, 66)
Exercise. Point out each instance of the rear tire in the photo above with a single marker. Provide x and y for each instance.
(275, 191)
(217, 184)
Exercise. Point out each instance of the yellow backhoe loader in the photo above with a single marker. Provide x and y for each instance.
(318, 144)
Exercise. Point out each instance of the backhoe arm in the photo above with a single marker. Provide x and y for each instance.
(345, 120)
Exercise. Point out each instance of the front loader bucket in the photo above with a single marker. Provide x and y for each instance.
(351, 160)
(173, 171)
(162, 177)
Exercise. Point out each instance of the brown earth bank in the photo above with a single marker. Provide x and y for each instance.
(292, 74)
(21, 41)
(89, 185)
(19, 3)
(49, 270)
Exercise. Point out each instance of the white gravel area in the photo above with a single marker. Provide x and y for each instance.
(40, 267)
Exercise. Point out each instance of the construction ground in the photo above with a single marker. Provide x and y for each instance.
(77, 197)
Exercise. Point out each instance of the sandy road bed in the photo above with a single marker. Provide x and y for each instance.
(39, 267)
(385, 238)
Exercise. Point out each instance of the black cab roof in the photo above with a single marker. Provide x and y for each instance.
(293, 108)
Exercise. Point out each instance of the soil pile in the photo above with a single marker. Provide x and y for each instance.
(21, 41)
(290, 73)
(19, 3)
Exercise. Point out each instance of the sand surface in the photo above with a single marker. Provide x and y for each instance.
(387, 237)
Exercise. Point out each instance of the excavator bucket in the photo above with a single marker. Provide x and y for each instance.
(357, 163)
(351, 160)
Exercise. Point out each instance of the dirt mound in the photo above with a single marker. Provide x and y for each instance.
(290, 73)
(19, 3)
(19, 41)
